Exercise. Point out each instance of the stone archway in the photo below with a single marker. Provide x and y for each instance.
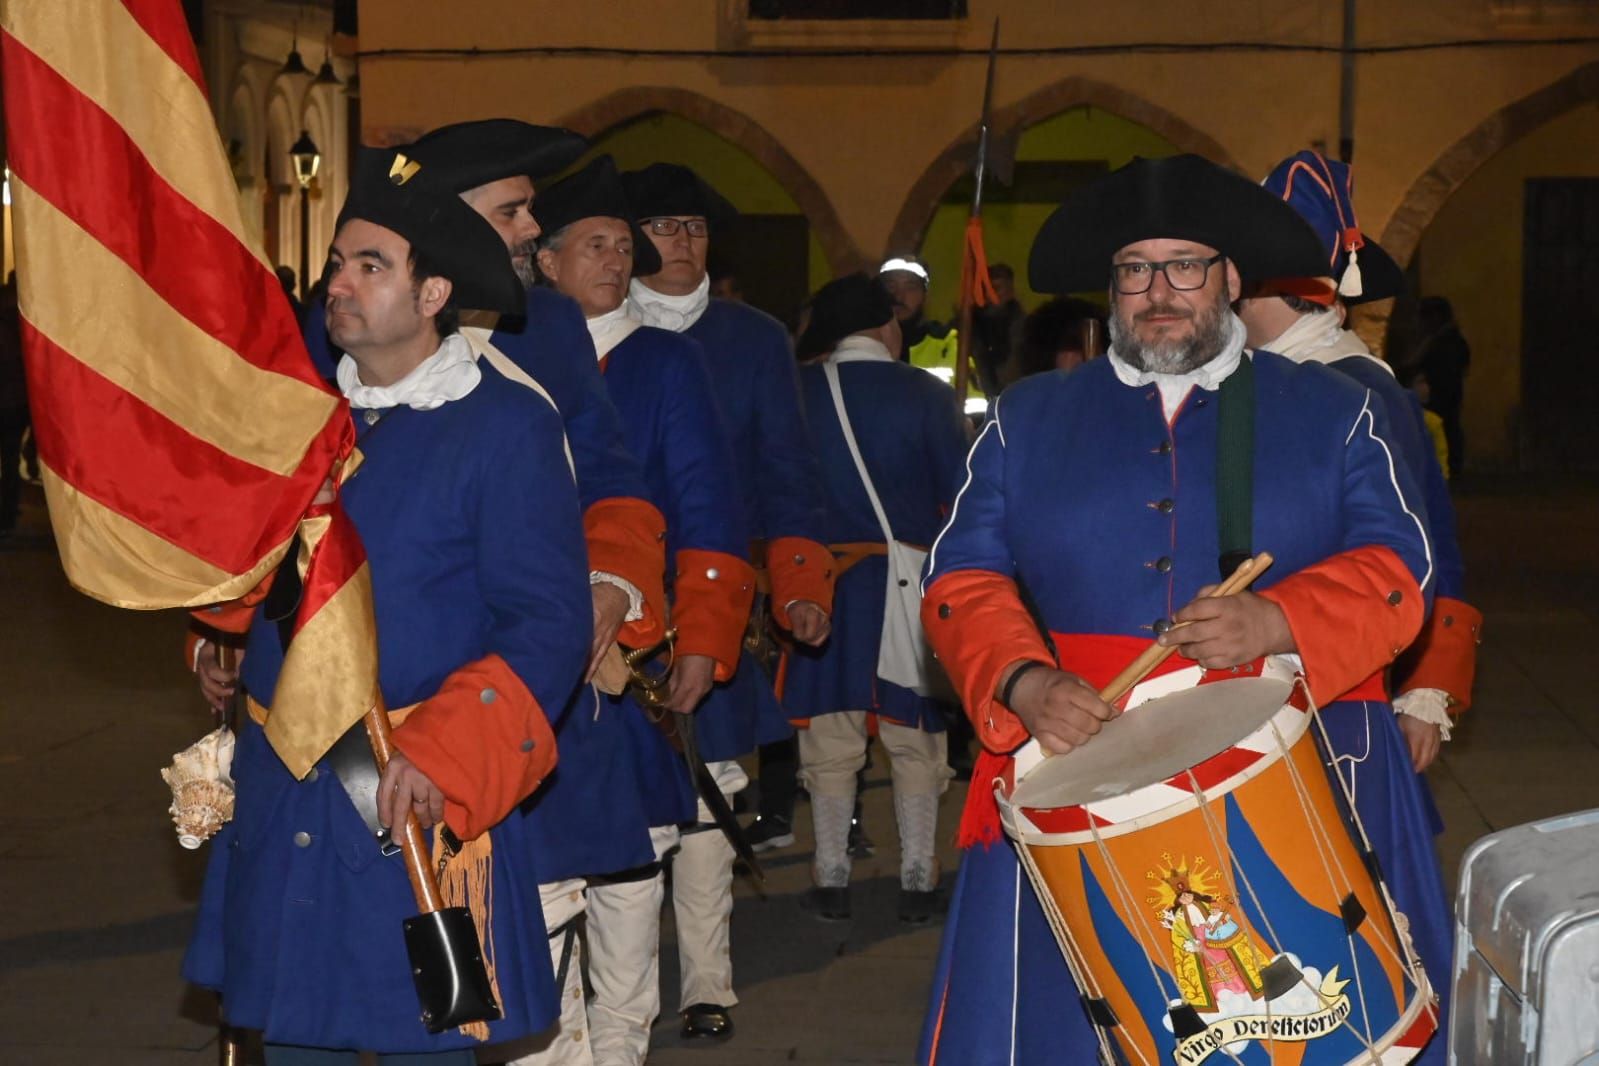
(1008, 123)
(1424, 198)
(625, 105)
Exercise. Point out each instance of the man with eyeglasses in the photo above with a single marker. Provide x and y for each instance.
(1117, 496)
(754, 379)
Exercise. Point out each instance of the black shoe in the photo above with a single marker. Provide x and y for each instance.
(828, 904)
(918, 908)
(860, 845)
(707, 1020)
(769, 831)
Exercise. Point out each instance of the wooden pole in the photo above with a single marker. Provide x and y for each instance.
(418, 865)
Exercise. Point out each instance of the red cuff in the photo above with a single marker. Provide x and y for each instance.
(801, 569)
(712, 596)
(1350, 615)
(1445, 655)
(224, 623)
(626, 536)
(483, 740)
(977, 626)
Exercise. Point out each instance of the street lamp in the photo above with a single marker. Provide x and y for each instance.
(306, 161)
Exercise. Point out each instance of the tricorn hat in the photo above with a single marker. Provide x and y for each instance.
(1181, 197)
(668, 189)
(596, 190)
(465, 155)
(1322, 191)
(459, 243)
(843, 306)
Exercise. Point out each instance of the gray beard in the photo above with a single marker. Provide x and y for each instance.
(1172, 357)
(527, 271)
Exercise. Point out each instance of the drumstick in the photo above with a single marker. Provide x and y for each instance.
(1156, 654)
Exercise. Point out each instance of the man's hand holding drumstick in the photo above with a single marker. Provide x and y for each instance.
(1225, 625)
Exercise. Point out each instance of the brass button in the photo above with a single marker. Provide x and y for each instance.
(1395, 597)
(1162, 626)
(311, 775)
(488, 695)
(302, 839)
(713, 573)
(799, 560)
(943, 610)
(1163, 564)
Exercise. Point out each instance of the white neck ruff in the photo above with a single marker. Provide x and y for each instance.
(612, 328)
(448, 374)
(1174, 388)
(859, 348)
(664, 311)
(1320, 337)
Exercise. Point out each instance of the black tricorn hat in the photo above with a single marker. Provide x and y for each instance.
(458, 241)
(843, 306)
(668, 189)
(465, 155)
(596, 190)
(1181, 197)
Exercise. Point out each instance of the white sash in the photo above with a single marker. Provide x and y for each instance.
(903, 656)
(478, 338)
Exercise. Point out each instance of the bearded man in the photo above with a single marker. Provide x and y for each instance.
(1107, 494)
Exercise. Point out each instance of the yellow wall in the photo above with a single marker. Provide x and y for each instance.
(1083, 133)
(1472, 254)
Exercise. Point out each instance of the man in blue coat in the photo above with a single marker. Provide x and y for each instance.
(1103, 493)
(779, 490)
(1303, 319)
(301, 913)
(903, 426)
(661, 387)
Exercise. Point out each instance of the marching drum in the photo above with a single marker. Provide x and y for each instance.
(1208, 884)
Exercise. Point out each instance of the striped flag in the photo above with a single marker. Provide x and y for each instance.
(182, 432)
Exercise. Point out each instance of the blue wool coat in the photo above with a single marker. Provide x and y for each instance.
(551, 343)
(778, 483)
(618, 776)
(470, 521)
(913, 441)
(1078, 488)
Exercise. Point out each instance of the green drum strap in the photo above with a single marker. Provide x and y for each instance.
(1235, 466)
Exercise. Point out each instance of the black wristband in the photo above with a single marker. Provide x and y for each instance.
(1016, 675)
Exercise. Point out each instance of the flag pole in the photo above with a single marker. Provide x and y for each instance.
(975, 285)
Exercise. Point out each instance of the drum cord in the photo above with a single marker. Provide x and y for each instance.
(1342, 883)
(1418, 974)
(1078, 967)
(1219, 843)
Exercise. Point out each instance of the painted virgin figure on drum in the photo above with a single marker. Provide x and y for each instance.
(1099, 510)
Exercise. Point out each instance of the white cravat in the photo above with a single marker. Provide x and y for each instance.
(448, 374)
(665, 311)
(859, 348)
(612, 328)
(1175, 387)
(1320, 337)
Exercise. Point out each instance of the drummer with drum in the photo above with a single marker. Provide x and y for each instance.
(1098, 511)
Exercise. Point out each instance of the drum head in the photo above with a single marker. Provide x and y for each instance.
(1153, 742)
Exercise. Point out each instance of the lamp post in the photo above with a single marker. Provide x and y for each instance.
(306, 161)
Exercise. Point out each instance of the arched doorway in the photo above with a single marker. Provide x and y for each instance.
(789, 241)
(1505, 225)
(1053, 154)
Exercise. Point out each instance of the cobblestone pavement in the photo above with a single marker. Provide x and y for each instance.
(98, 897)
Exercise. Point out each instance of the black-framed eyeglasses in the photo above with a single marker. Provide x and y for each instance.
(668, 227)
(1184, 275)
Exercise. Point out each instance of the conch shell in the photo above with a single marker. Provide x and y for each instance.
(202, 790)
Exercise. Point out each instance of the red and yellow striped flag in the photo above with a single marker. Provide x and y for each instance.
(182, 432)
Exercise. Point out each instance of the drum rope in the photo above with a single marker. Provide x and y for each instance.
(1074, 963)
(1413, 961)
(1128, 900)
(1319, 838)
(1222, 845)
